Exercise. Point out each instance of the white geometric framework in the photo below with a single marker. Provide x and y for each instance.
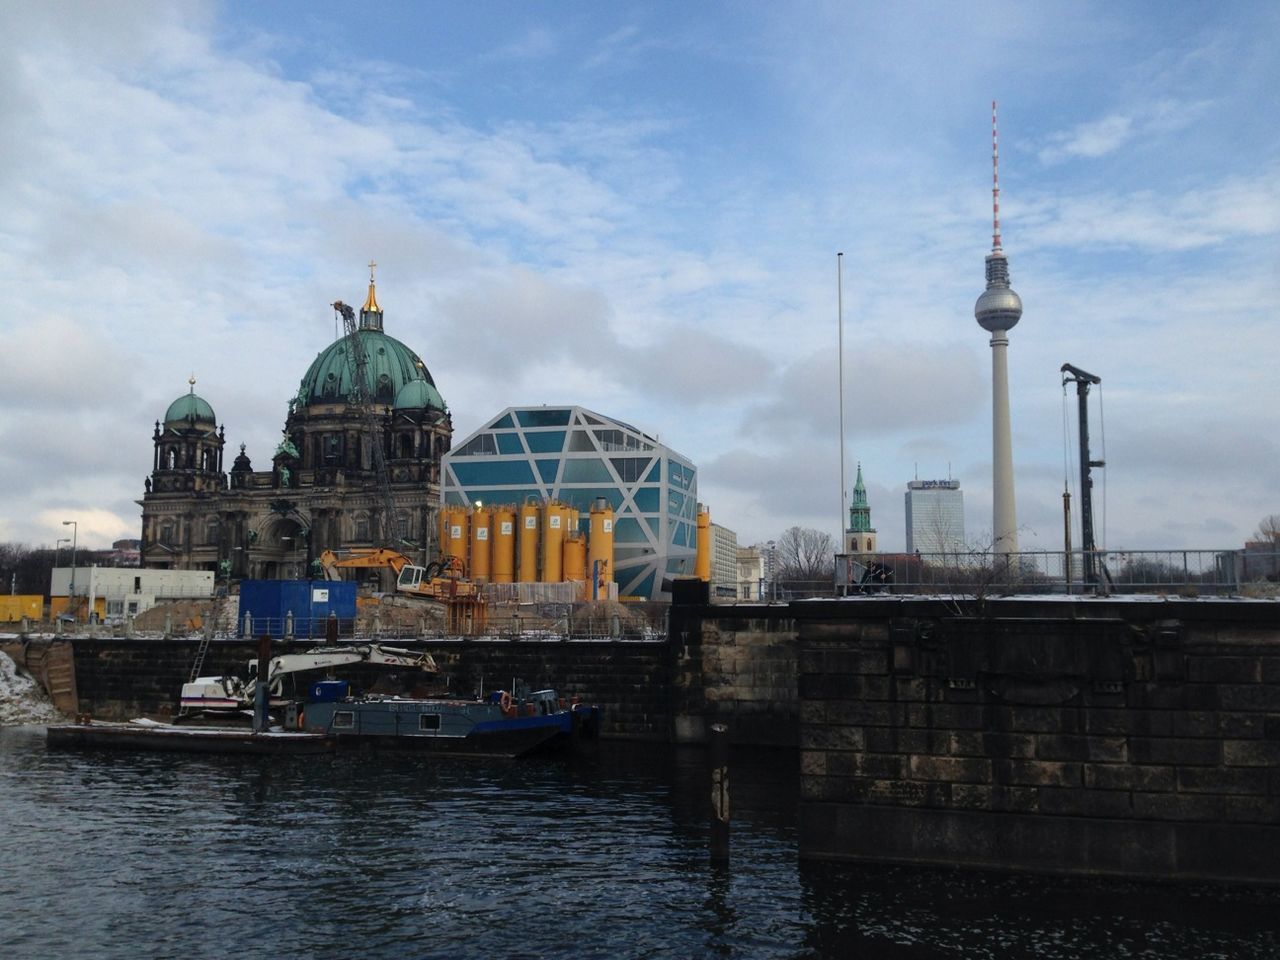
(575, 455)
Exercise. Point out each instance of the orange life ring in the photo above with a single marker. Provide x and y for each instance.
(504, 703)
(302, 720)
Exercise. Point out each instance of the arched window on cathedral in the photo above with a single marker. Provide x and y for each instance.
(406, 446)
(362, 526)
(211, 532)
(166, 534)
(170, 458)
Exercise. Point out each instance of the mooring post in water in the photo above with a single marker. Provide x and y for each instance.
(718, 762)
(261, 689)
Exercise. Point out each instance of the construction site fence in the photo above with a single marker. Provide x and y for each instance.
(569, 591)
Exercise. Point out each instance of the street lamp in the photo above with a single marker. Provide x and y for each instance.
(75, 532)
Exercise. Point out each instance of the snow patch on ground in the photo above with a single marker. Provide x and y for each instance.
(22, 701)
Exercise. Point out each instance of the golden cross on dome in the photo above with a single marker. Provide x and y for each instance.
(192, 380)
(372, 267)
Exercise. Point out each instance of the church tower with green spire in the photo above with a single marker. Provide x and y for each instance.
(860, 536)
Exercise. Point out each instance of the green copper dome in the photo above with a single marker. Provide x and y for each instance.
(418, 395)
(189, 407)
(391, 366)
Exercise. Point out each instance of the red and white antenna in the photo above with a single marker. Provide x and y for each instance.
(995, 182)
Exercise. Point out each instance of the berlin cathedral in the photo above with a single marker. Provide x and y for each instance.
(323, 489)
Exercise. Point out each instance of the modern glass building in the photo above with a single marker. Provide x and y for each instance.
(574, 455)
(935, 516)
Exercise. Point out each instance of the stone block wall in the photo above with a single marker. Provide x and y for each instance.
(1134, 739)
(748, 678)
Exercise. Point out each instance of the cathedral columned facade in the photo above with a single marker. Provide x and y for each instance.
(322, 490)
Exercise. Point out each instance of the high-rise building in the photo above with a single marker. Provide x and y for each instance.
(935, 516)
(724, 561)
(997, 311)
(860, 536)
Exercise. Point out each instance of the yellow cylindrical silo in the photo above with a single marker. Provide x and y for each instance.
(575, 557)
(571, 521)
(528, 534)
(553, 517)
(702, 563)
(480, 546)
(600, 543)
(457, 533)
(503, 535)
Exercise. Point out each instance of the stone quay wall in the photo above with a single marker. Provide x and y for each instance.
(1132, 738)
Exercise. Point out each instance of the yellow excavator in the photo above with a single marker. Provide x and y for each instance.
(442, 581)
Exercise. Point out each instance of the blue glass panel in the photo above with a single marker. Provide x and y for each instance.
(547, 470)
(652, 524)
(543, 418)
(585, 471)
(629, 468)
(491, 473)
(504, 422)
(627, 530)
(644, 588)
(678, 536)
(675, 503)
(655, 475)
(646, 499)
(509, 443)
(680, 565)
(454, 499)
(549, 441)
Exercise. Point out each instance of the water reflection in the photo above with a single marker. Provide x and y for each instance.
(117, 855)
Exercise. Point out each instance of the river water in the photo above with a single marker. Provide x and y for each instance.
(150, 855)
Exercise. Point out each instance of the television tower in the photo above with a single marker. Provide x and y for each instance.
(997, 310)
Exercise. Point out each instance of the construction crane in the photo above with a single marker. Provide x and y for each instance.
(1088, 549)
(360, 396)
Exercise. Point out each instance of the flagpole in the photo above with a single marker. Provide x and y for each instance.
(840, 324)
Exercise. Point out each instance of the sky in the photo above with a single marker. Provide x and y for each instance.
(638, 208)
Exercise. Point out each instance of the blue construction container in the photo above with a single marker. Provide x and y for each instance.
(299, 607)
(329, 691)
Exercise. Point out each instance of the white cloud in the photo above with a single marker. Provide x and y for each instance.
(651, 234)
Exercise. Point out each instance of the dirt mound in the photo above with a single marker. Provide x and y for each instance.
(181, 616)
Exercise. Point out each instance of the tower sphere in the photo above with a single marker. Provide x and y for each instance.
(999, 308)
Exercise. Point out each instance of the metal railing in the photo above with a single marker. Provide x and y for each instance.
(978, 573)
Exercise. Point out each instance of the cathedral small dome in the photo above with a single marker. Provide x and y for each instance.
(190, 408)
(419, 395)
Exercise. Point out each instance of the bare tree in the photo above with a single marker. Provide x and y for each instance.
(806, 554)
(1269, 530)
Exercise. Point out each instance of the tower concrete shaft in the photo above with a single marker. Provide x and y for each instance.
(1004, 520)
